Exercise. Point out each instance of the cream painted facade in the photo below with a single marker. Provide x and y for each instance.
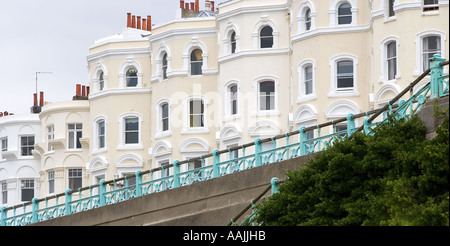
(254, 69)
(233, 58)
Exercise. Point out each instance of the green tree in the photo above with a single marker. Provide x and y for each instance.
(395, 177)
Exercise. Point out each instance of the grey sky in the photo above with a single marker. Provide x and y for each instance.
(55, 36)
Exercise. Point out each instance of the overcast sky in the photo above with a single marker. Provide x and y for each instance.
(55, 36)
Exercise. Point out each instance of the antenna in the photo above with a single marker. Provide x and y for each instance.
(37, 79)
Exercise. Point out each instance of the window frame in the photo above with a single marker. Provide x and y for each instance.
(74, 175)
(334, 9)
(430, 7)
(302, 96)
(334, 91)
(122, 145)
(134, 78)
(51, 181)
(187, 129)
(29, 153)
(76, 139)
(192, 63)
(418, 39)
(27, 184)
(270, 38)
(50, 136)
(384, 66)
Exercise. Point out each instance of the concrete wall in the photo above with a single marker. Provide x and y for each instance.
(209, 203)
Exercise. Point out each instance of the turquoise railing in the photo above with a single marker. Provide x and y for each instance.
(222, 162)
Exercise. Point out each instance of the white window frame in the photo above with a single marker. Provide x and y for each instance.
(122, 145)
(257, 30)
(187, 129)
(195, 44)
(418, 39)
(130, 63)
(256, 85)
(333, 11)
(334, 92)
(96, 78)
(384, 71)
(69, 177)
(162, 152)
(227, 102)
(431, 11)
(159, 126)
(28, 146)
(96, 144)
(4, 144)
(301, 20)
(302, 97)
(227, 40)
(50, 136)
(74, 131)
(51, 181)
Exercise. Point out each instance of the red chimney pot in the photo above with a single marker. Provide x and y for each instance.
(149, 23)
(138, 22)
(181, 4)
(41, 99)
(78, 91)
(133, 21)
(197, 5)
(128, 19)
(193, 6)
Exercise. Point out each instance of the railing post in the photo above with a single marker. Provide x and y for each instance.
(435, 74)
(3, 217)
(302, 136)
(275, 186)
(176, 174)
(138, 183)
(216, 160)
(366, 125)
(68, 200)
(350, 124)
(258, 150)
(102, 193)
(35, 208)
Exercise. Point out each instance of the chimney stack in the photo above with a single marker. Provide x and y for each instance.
(149, 23)
(138, 22)
(128, 19)
(197, 5)
(133, 21)
(41, 99)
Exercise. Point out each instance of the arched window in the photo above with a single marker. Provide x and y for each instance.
(196, 62)
(164, 66)
(233, 42)
(266, 37)
(344, 14)
(101, 81)
(308, 20)
(391, 60)
(131, 77)
(431, 45)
